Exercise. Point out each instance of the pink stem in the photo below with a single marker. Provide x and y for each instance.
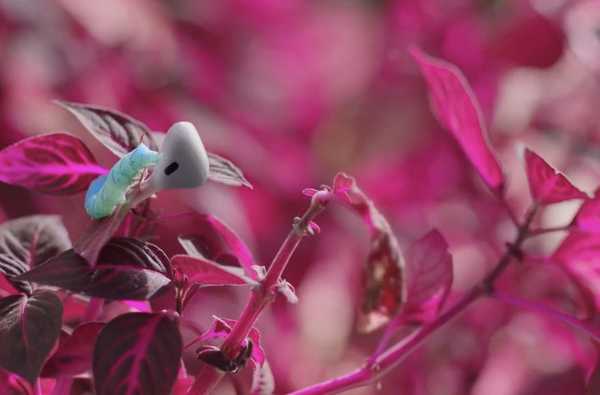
(548, 311)
(381, 364)
(262, 295)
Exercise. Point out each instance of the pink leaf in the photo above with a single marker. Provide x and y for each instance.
(383, 280)
(428, 276)
(137, 353)
(458, 111)
(13, 384)
(263, 382)
(546, 184)
(205, 272)
(57, 163)
(74, 355)
(580, 254)
(205, 236)
(588, 217)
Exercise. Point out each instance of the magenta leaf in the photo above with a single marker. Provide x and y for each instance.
(428, 277)
(126, 269)
(457, 109)
(263, 382)
(204, 272)
(57, 163)
(28, 242)
(209, 238)
(588, 217)
(118, 132)
(220, 328)
(29, 330)
(13, 384)
(383, 277)
(579, 253)
(546, 184)
(137, 353)
(223, 171)
(74, 354)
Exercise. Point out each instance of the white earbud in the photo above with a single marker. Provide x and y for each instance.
(183, 159)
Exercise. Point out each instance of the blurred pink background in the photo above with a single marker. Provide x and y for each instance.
(295, 91)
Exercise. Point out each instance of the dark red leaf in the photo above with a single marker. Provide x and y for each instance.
(74, 354)
(29, 330)
(457, 109)
(204, 272)
(13, 384)
(428, 277)
(137, 353)
(29, 241)
(118, 132)
(383, 274)
(205, 236)
(225, 172)
(126, 269)
(57, 163)
(546, 184)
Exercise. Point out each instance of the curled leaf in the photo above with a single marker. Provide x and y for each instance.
(56, 163)
(457, 109)
(383, 274)
(546, 184)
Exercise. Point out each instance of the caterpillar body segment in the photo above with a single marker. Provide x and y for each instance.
(107, 192)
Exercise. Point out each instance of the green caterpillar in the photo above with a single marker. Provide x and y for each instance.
(107, 192)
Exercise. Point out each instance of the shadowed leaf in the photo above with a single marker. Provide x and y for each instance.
(118, 132)
(28, 242)
(126, 269)
(74, 354)
(137, 353)
(29, 330)
(225, 172)
(57, 164)
(204, 272)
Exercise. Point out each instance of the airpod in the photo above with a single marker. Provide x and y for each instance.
(183, 159)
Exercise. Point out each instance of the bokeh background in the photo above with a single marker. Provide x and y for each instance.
(295, 91)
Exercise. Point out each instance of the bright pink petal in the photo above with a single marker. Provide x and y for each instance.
(57, 163)
(458, 111)
(546, 184)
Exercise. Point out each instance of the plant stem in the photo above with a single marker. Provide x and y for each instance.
(548, 311)
(377, 367)
(262, 295)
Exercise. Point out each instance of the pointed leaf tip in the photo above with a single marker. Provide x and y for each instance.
(458, 110)
(546, 184)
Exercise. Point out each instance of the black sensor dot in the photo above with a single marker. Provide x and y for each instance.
(171, 168)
